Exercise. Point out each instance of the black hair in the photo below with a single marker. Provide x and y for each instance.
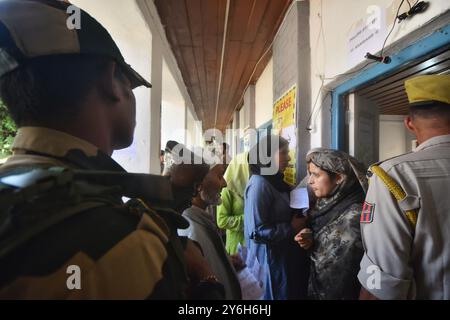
(50, 89)
(170, 145)
(434, 109)
(264, 148)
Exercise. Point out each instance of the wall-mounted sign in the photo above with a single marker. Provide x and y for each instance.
(367, 35)
(284, 111)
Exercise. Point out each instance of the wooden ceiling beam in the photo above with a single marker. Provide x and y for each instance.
(195, 30)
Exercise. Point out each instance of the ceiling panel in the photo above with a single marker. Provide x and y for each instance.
(389, 93)
(195, 31)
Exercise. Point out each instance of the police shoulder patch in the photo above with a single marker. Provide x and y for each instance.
(368, 212)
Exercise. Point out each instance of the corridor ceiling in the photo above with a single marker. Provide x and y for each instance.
(195, 31)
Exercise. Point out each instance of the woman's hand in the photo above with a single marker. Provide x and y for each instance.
(304, 238)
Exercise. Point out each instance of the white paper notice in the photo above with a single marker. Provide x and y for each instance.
(299, 198)
(366, 35)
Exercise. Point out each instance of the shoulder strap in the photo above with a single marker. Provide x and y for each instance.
(396, 190)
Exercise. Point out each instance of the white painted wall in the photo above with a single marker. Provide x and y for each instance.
(172, 122)
(341, 16)
(173, 111)
(264, 96)
(395, 139)
(194, 131)
(191, 128)
(392, 136)
(329, 52)
(199, 133)
(133, 35)
(127, 27)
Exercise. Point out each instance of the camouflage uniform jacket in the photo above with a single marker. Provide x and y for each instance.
(123, 253)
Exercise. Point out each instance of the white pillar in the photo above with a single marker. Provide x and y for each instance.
(235, 145)
(185, 123)
(155, 106)
(250, 109)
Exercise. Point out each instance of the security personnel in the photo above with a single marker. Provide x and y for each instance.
(62, 237)
(405, 221)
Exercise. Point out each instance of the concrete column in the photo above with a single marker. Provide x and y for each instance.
(250, 106)
(229, 137)
(292, 66)
(155, 106)
(199, 133)
(186, 132)
(235, 136)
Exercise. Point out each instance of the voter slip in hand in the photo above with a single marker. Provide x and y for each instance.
(299, 198)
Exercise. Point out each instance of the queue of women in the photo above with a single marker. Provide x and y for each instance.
(310, 254)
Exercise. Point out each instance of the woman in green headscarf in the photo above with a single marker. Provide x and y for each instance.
(230, 214)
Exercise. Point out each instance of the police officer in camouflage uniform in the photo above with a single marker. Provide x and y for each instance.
(405, 221)
(70, 93)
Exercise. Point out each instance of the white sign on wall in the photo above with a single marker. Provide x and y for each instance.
(367, 35)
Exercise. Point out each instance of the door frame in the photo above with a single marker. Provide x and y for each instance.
(438, 40)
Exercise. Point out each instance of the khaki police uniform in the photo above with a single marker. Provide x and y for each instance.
(407, 238)
(413, 262)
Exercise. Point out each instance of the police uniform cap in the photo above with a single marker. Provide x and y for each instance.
(428, 90)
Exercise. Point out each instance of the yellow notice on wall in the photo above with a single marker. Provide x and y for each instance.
(284, 111)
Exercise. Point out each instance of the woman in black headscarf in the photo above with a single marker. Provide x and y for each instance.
(270, 224)
(338, 183)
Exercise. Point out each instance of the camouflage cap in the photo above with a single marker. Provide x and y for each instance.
(36, 28)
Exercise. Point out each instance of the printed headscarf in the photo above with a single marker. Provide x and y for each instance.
(351, 190)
